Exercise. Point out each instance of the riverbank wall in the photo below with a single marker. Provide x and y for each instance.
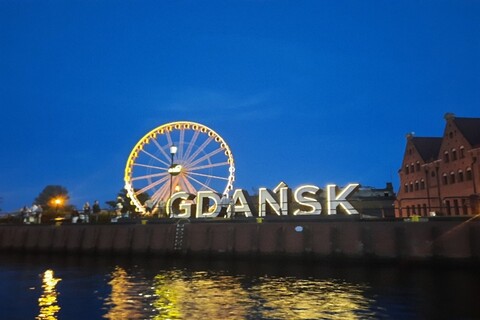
(377, 240)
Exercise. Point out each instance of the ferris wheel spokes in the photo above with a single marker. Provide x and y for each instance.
(161, 193)
(207, 156)
(207, 175)
(154, 157)
(200, 149)
(149, 176)
(180, 142)
(151, 185)
(207, 166)
(187, 186)
(169, 137)
(191, 144)
(162, 150)
(201, 183)
(149, 166)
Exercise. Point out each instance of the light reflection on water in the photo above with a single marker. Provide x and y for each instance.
(94, 287)
(125, 301)
(199, 295)
(203, 295)
(290, 298)
(48, 300)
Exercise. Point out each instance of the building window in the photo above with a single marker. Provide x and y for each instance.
(445, 179)
(450, 135)
(406, 169)
(456, 207)
(422, 184)
(416, 185)
(462, 152)
(469, 174)
(412, 168)
(452, 177)
(411, 187)
(424, 209)
(417, 166)
(464, 207)
(433, 174)
(447, 206)
(408, 211)
(454, 154)
(446, 157)
(460, 175)
(406, 187)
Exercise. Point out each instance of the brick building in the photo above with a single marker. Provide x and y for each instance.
(441, 175)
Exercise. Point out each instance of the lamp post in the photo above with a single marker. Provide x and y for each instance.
(57, 202)
(173, 151)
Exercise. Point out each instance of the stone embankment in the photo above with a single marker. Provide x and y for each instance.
(449, 240)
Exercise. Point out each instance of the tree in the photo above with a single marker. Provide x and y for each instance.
(53, 196)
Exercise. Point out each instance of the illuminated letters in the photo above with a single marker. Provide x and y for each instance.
(304, 196)
(305, 201)
(213, 210)
(333, 200)
(185, 205)
(266, 196)
(244, 204)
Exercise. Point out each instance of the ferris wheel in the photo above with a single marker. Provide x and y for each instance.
(178, 156)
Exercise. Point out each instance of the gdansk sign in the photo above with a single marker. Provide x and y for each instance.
(208, 204)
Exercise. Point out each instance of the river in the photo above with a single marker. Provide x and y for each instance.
(93, 287)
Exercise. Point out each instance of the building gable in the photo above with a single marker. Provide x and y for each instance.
(470, 129)
(427, 147)
(442, 174)
(459, 133)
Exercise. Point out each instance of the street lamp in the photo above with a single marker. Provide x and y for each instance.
(57, 202)
(173, 151)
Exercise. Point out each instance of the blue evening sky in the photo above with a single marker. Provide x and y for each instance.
(303, 91)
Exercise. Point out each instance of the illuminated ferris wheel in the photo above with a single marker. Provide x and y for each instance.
(178, 156)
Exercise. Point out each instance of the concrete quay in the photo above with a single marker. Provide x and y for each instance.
(374, 240)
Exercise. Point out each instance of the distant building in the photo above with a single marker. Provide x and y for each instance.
(374, 202)
(441, 175)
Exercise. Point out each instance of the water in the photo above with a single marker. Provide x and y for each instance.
(58, 287)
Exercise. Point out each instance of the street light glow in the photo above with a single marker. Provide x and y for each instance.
(173, 149)
(57, 201)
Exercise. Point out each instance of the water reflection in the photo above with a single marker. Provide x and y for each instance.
(125, 301)
(92, 288)
(291, 298)
(185, 295)
(48, 300)
(200, 295)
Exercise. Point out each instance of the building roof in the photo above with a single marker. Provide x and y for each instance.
(470, 128)
(427, 147)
